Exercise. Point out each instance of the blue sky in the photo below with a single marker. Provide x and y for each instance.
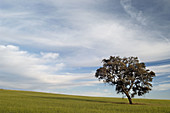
(57, 45)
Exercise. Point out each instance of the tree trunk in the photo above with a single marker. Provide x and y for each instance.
(127, 94)
(130, 100)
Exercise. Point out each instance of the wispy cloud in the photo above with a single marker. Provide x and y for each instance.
(161, 69)
(134, 13)
(86, 31)
(162, 87)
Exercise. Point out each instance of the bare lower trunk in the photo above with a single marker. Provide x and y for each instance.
(130, 100)
(128, 96)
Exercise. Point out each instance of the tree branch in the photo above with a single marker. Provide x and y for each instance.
(130, 86)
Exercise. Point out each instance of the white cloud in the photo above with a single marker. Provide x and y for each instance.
(161, 87)
(49, 55)
(20, 67)
(160, 69)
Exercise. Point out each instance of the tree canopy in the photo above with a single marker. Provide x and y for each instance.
(128, 75)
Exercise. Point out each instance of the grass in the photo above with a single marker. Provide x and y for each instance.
(34, 102)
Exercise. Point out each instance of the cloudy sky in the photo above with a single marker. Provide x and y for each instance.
(56, 45)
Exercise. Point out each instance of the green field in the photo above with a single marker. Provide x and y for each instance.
(35, 102)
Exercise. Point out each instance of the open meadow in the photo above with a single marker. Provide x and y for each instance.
(35, 102)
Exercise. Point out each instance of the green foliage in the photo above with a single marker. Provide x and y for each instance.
(35, 102)
(128, 75)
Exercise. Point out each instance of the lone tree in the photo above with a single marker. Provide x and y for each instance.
(128, 75)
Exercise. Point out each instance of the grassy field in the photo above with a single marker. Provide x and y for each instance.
(35, 102)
